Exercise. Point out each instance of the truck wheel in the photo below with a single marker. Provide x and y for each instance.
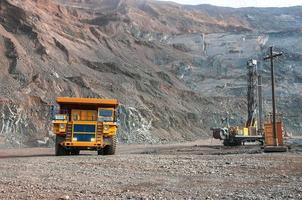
(59, 149)
(75, 152)
(101, 152)
(110, 149)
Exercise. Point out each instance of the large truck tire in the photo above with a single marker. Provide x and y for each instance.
(59, 149)
(101, 152)
(75, 152)
(110, 149)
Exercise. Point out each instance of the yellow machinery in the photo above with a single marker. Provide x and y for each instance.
(85, 124)
(250, 132)
(235, 135)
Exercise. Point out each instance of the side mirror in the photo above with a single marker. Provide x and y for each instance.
(52, 111)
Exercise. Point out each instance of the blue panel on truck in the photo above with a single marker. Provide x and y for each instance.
(84, 128)
(84, 137)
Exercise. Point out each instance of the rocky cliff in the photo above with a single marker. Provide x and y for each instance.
(175, 69)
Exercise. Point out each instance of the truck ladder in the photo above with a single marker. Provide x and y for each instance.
(68, 132)
(99, 132)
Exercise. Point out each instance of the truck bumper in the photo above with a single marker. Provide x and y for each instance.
(99, 144)
(84, 144)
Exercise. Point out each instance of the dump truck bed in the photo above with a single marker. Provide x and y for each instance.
(86, 101)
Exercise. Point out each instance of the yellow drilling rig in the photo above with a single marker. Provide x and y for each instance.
(269, 132)
(251, 131)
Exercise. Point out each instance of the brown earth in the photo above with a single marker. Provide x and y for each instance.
(93, 49)
(199, 170)
(177, 70)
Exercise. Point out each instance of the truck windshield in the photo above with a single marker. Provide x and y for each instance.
(105, 113)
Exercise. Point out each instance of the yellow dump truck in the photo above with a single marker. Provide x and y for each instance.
(85, 124)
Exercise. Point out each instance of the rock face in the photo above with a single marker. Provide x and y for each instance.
(175, 69)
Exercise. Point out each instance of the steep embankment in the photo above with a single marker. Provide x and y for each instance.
(174, 68)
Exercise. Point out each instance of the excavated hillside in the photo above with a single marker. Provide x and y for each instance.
(175, 69)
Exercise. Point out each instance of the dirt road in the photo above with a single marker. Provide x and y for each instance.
(200, 170)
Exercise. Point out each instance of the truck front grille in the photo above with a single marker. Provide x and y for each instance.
(84, 128)
(84, 132)
(84, 137)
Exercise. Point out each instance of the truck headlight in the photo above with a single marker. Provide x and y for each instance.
(92, 139)
(106, 127)
(60, 117)
(75, 139)
(62, 126)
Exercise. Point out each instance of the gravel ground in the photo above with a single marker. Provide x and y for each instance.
(182, 171)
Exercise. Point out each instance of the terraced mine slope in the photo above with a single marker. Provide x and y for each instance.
(176, 69)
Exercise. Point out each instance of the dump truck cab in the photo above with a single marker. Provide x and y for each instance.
(85, 124)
